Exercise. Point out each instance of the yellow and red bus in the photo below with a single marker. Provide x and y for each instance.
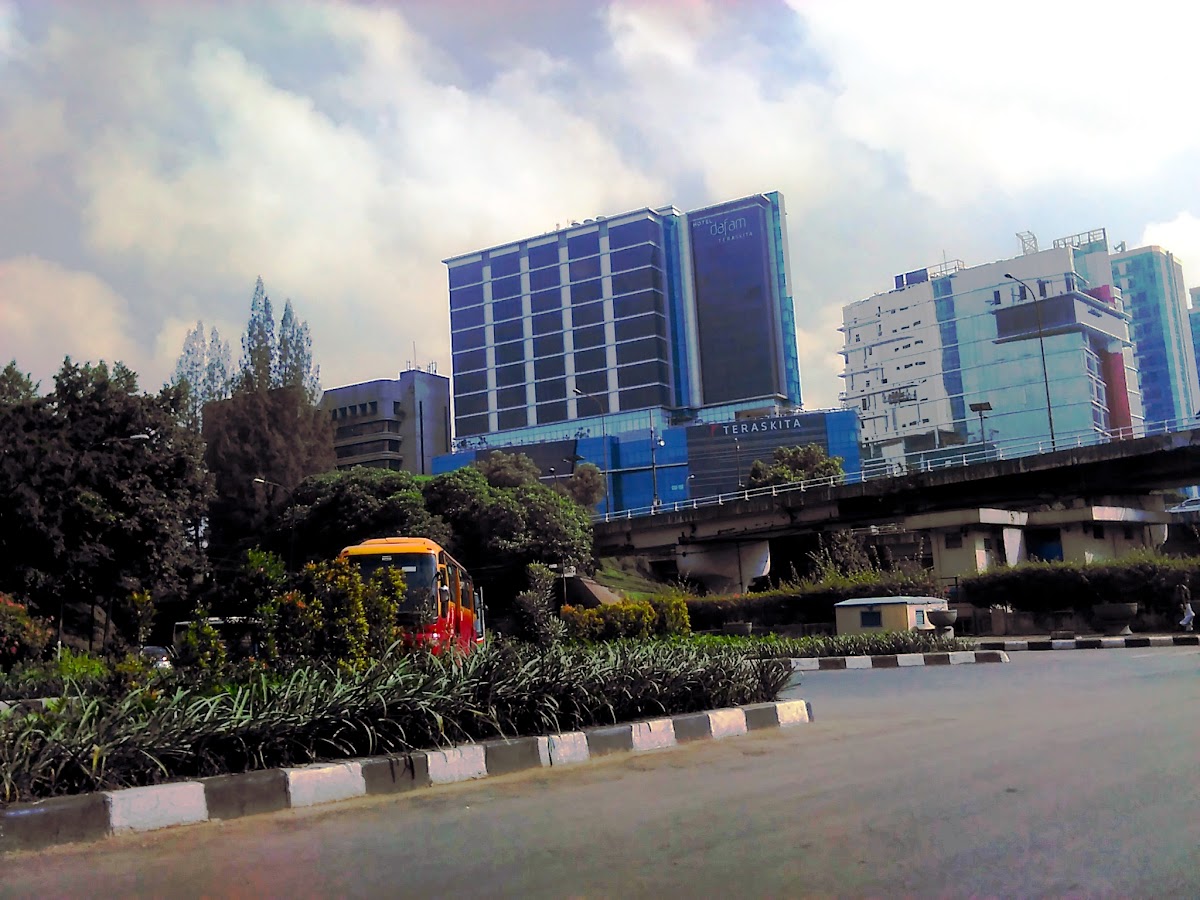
(441, 606)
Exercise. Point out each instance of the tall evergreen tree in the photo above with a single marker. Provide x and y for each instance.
(216, 368)
(16, 386)
(293, 361)
(257, 367)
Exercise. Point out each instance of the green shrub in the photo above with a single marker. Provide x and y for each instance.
(335, 588)
(382, 595)
(22, 637)
(533, 615)
(612, 621)
(1143, 577)
(671, 617)
(401, 703)
(875, 644)
(201, 645)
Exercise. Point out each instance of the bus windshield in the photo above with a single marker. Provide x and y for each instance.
(419, 570)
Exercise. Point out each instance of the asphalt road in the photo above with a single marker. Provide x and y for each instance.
(1061, 774)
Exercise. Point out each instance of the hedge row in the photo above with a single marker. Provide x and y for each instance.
(1043, 587)
(171, 729)
(803, 604)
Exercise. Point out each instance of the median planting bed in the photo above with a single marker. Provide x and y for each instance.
(172, 727)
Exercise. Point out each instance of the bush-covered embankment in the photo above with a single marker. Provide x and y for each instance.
(167, 729)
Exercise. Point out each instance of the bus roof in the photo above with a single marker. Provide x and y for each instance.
(376, 546)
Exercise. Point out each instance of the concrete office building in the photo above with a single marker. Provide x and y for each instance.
(616, 335)
(399, 424)
(956, 357)
(1152, 286)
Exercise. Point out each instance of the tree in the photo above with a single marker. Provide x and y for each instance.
(334, 510)
(794, 464)
(275, 435)
(293, 359)
(203, 371)
(257, 367)
(585, 486)
(509, 470)
(498, 531)
(16, 386)
(100, 482)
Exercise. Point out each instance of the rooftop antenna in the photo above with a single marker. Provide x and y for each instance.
(1028, 241)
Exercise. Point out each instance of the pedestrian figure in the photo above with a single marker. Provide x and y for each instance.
(1183, 596)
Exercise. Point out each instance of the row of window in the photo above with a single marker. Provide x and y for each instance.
(586, 308)
(370, 408)
(579, 246)
(553, 366)
(588, 286)
(645, 397)
(654, 372)
(550, 324)
(368, 447)
(383, 426)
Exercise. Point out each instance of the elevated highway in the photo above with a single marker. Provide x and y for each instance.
(1126, 468)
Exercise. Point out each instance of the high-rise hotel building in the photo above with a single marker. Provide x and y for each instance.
(640, 319)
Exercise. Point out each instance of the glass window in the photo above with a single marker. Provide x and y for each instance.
(546, 301)
(470, 382)
(548, 345)
(644, 397)
(552, 412)
(470, 405)
(582, 245)
(466, 296)
(636, 258)
(467, 340)
(469, 361)
(506, 287)
(586, 292)
(540, 279)
(506, 309)
(543, 255)
(506, 376)
(589, 360)
(637, 304)
(555, 389)
(596, 385)
(590, 314)
(550, 367)
(641, 232)
(654, 372)
(589, 337)
(466, 273)
(870, 618)
(637, 280)
(465, 426)
(585, 268)
(471, 317)
(641, 350)
(508, 264)
(547, 323)
(512, 418)
(642, 326)
(510, 396)
(509, 331)
(510, 353)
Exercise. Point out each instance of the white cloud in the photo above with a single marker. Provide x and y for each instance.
(48, 312)
(1181, 236)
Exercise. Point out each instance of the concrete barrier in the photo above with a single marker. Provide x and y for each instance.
(568, 749)
(457, 764)
(324, 783)
(157, 806)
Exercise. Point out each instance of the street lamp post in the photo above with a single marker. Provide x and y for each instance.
(291, 521)
(604, 445)
(655, 443)
(1042, 347)
(981, 408)
(737, 452)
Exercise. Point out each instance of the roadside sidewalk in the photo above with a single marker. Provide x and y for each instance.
(1093, 642)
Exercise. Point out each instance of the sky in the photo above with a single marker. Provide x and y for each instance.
(157, 157)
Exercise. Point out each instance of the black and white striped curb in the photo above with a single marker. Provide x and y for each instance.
(1098, 643)
(898, 660)
(91, 817)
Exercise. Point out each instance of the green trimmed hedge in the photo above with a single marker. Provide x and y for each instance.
(1043, 587)
(877, 644)
(664, 616)
(805, 603)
